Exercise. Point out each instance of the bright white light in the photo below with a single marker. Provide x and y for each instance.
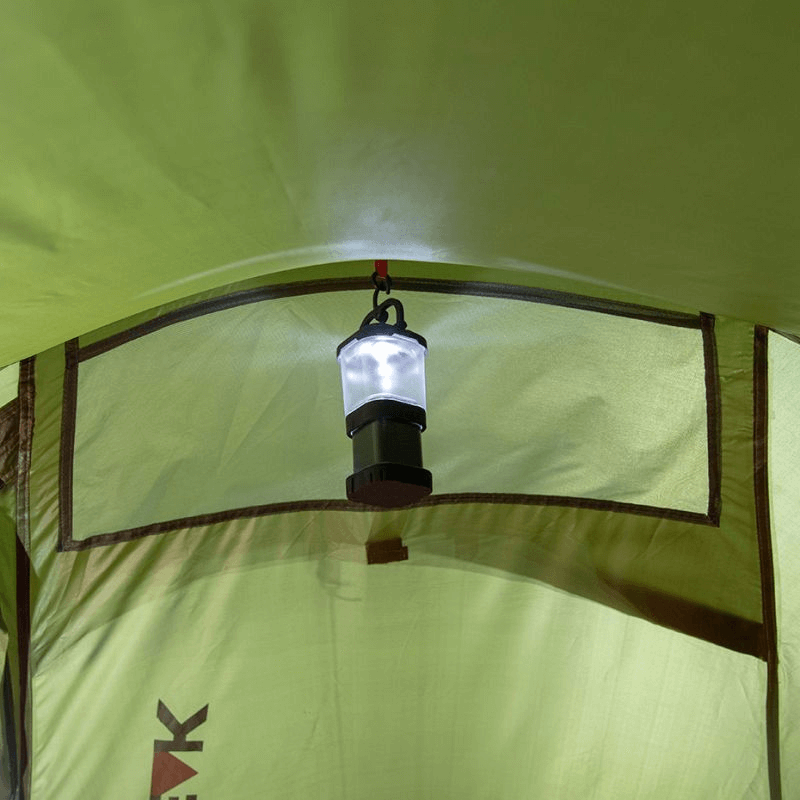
(390, 367)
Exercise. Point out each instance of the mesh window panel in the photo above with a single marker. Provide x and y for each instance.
(243, 407)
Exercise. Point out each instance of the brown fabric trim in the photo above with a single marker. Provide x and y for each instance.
(23, 644)
(507, 291)
(227, 301)
(764, 532)
(10, 729)
(590, 503)
(202, 520)
(69, 411)
(713, 418)
(27, 398)
(26, 424)
(718, 627)
(474, 288)
(9, 443)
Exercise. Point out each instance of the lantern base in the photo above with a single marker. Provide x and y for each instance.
(389, 485)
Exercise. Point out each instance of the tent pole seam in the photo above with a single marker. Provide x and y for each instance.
(23, 567)
(764, 533)
(67, 445)
(713, 418)
(434, 285)
(203, 520)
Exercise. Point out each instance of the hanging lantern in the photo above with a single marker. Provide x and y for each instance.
(383, 383)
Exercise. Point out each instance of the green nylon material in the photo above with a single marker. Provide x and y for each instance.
(8, 383)
(155, 149)
(151, 150)
(326, 677)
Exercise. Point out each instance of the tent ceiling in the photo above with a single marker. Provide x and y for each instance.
(155, 149)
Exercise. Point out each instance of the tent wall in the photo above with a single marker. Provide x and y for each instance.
(532, 644)
(602, 517)
(327, 677)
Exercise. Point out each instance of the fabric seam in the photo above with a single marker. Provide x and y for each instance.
(472, 288)
(23, 571)
(764, 534)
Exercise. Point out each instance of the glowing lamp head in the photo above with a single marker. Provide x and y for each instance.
(382, 365)
(383, 385)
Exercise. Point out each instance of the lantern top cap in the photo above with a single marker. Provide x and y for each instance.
(381, 329)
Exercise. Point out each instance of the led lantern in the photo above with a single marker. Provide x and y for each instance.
(383, 383)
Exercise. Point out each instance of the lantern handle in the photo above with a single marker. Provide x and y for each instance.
(380, 313)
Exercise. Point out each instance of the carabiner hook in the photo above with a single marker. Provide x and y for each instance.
(381, 284)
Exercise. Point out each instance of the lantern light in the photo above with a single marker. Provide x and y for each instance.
(383, 384)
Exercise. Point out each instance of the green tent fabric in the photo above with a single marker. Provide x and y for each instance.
(590, 213)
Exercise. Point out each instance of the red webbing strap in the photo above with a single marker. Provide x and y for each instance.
(382, 267)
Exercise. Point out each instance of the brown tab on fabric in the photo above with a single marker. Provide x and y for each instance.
(386, 551)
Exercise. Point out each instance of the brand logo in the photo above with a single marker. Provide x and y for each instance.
(168, 770)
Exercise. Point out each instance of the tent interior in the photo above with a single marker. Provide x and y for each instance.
(589, 212)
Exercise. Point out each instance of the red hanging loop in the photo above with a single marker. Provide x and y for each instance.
(380, 280)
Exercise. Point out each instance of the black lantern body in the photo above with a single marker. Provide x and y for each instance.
(383, 383)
